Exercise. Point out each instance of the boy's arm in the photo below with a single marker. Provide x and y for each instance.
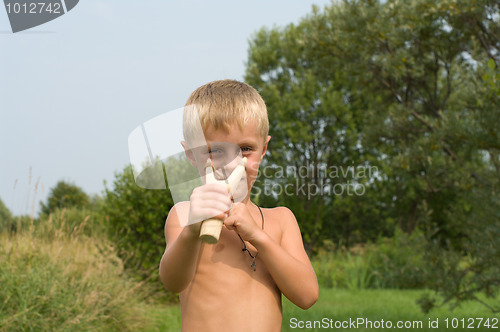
(178, 263)
(287, 261)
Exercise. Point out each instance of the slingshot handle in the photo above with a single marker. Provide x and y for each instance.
(210, 230)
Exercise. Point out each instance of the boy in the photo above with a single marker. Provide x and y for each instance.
(225, 287)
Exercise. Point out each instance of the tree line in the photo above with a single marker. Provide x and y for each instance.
(411, 88)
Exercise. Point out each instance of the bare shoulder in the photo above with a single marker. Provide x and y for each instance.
(279, 210)
(177, 214)
(282, 214)
(285, 223)
(177, 217)
(290, 237)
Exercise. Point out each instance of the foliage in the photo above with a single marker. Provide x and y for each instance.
(475, 276)
(54, 277)
(411, 87)
(343, 268)
(10, 223)
(136, 219)
(5, 216)
(396, 262)
(317, 125)
(65, 195)
(400, 262)
(68, 221)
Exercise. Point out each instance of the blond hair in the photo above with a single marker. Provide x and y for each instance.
(222, 103)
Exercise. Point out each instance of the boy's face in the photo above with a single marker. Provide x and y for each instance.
(248, 141)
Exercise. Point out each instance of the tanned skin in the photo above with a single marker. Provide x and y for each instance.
(218, 289)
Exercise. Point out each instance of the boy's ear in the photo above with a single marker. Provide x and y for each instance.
(189, 154)
(264, 150)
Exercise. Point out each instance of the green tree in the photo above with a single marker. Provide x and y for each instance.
(317, 119)
(410, 87)
(136, 219)
(478, 208)
(5, 216)
(65, 195)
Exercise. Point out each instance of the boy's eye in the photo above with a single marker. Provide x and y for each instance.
(245, 149)
(216, 153)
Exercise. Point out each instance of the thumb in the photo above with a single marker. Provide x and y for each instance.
(231, 222)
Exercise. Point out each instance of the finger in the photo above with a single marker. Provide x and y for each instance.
(212, 194)
(209, 190)
(229, 222)
(230, 227)
(210, 197)
(221, 216)
(219, 187)
(213, 214)
(218, 207)
(233, 220)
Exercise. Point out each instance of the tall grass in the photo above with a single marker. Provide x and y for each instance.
(59, 275)
(397, 262)
(343, 268)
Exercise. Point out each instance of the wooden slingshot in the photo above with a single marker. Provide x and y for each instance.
(211, 228)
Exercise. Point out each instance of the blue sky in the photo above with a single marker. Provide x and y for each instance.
(73, 89)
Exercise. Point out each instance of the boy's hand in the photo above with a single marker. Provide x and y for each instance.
(210, 200)
(241, 221)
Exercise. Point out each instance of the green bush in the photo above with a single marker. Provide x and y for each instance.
(10, 223)
(71, 221)
(65, 195)
(55, 280)
(136, 219)
(399, 262)
(17, 223)
(396, 262)
(324, 264)
(343, 268)
(5, 216)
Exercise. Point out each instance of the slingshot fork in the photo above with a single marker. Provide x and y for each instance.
(211, 228)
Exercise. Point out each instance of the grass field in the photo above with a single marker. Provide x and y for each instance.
(372, 305)
(62, 275)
